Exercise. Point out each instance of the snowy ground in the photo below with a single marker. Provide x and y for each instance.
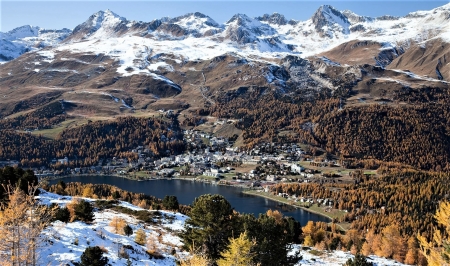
(337, 258)
(60, 248)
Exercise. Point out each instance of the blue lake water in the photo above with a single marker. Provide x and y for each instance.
(186, 191)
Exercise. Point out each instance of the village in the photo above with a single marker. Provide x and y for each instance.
(214, 159)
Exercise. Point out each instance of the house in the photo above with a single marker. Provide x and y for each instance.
(63, 161)
(271, 178)
(167, 172)
(297, 168)
(212, 173)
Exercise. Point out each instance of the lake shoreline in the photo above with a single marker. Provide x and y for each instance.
(245, 189)
(261, 194)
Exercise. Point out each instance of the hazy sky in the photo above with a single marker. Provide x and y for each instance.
(68, 14)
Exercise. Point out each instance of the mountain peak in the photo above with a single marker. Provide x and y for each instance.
(275, 18)
(240, 19)
(196, 18)
(355, 18)
(20, 32)
(102, 17)
(328, 19)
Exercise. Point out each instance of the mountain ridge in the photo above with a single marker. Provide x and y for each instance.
(327, 23)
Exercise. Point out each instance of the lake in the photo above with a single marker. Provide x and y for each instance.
(186, 191)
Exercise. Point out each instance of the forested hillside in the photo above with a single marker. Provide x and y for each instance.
(89, 143)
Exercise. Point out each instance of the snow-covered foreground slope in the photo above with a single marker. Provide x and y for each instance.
(60, 246)
(337, 258)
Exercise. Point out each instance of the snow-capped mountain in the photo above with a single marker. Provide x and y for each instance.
(326, 29)
(194, 58)
(101, 24)
(328, 20)
(28, 38)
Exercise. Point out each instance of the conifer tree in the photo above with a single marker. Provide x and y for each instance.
(209, 225)
(21, 221)
(359, 260)
(117, 223)
(140, 238)
(127, 230)
(84, 211)
(437, 251)
(238, 253)
(170, 203)
(93, 256)
(411, 255)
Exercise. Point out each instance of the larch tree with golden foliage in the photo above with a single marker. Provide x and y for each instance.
(238, 253)
(141, 237)
(437, 251)
(117, 224)
(22, 220)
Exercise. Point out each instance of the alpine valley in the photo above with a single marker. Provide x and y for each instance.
(274, 79)
(344, 115)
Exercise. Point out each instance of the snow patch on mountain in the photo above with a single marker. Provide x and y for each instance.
(49, 55)
(198, 23)
(28, 38)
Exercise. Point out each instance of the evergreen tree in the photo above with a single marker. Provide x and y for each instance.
(273, 240)
(170, 203)
(127, 230)
(62, 214)
(84, 211)
(93, 256)
(60, 188)
(359, 260)
(209, 226)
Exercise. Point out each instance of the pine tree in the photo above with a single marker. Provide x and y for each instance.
(359, 260)
(127, 230)
(93, 256)
(209, 225)
(170, 203)
(140, 238)
(62, 214)
(83, 211)
(238, 253)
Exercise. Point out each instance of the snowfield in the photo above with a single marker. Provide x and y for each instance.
(337, 258)
(60, 245)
